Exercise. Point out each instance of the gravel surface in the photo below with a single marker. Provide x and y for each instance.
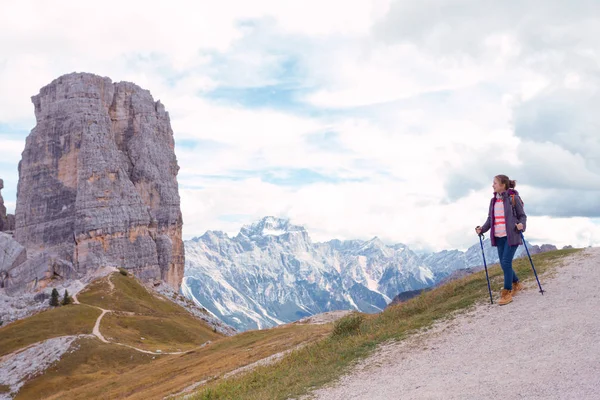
(537, 347)
(18, 367)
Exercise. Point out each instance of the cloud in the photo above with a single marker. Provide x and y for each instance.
(564, 203)
(356, 119)
(547, 165)
(567, 118)
(468, 27)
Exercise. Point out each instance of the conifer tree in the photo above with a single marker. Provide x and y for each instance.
(66, 299)
(54, 298)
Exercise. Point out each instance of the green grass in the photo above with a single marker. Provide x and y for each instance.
(320, 363)
(60, 321)
(128, 295)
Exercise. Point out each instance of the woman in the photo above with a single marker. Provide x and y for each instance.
(506, 218)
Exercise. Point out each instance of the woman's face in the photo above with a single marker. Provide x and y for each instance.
(498, 187)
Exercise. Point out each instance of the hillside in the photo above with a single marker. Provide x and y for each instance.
(125, 341)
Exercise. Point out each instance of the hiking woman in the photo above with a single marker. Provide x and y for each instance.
(506, 217)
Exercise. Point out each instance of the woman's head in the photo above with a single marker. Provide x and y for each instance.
(502, 183)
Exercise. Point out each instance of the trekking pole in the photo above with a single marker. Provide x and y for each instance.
(485, 266)
(532, 266)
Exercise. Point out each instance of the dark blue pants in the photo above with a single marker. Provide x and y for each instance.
(506, 254)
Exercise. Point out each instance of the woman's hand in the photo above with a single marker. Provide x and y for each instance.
(478, 230)
(520, 227)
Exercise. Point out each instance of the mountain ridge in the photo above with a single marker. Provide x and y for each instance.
(271, 272)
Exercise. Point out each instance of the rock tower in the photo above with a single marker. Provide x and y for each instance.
(98, 180)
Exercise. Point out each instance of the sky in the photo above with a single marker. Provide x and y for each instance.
(354, 118)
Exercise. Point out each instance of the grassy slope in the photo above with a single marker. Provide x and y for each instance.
(163, 324)
(93, 361)
(61, 321)
(99, 370)
(326, 360)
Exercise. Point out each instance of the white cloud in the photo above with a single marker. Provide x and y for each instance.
(422, 98)
(11, 150)
(577, 232)
(353, 210)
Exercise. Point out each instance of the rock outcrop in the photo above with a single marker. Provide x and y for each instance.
(98, 183)
(536, 249)
(7, 221)
(12, 254)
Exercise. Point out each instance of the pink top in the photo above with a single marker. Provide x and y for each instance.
(499, 218)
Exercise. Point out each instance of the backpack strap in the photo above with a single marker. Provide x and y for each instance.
(512, 196)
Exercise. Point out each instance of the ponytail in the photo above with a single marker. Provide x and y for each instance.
(504, 180)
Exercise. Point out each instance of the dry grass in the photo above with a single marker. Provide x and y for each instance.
(60, 321)
(99, 370)
(94, 361)
(163, 324)
(326, 360)
(161, 332)
(129, 295)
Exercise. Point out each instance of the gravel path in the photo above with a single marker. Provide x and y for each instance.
(537, 347)
(96, 330)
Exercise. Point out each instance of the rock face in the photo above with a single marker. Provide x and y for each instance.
(7, 221)
(98, 181)
(12, 254)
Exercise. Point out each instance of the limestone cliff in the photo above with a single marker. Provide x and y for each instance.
(98, 180)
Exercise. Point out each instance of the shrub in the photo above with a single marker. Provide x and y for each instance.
(123, 271)
(348, 325)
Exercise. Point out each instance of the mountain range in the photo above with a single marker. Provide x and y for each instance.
(272, 273)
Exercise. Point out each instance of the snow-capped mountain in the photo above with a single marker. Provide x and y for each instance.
(272, 273)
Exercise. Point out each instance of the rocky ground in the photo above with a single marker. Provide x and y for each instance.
(26, 304)
(16, 368)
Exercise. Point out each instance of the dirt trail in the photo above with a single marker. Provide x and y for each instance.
(538, 347)
(96, 330)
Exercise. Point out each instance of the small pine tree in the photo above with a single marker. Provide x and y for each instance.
(66, 299)
(54, 298)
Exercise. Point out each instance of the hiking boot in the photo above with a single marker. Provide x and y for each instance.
(517, 287)
(505, 297)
